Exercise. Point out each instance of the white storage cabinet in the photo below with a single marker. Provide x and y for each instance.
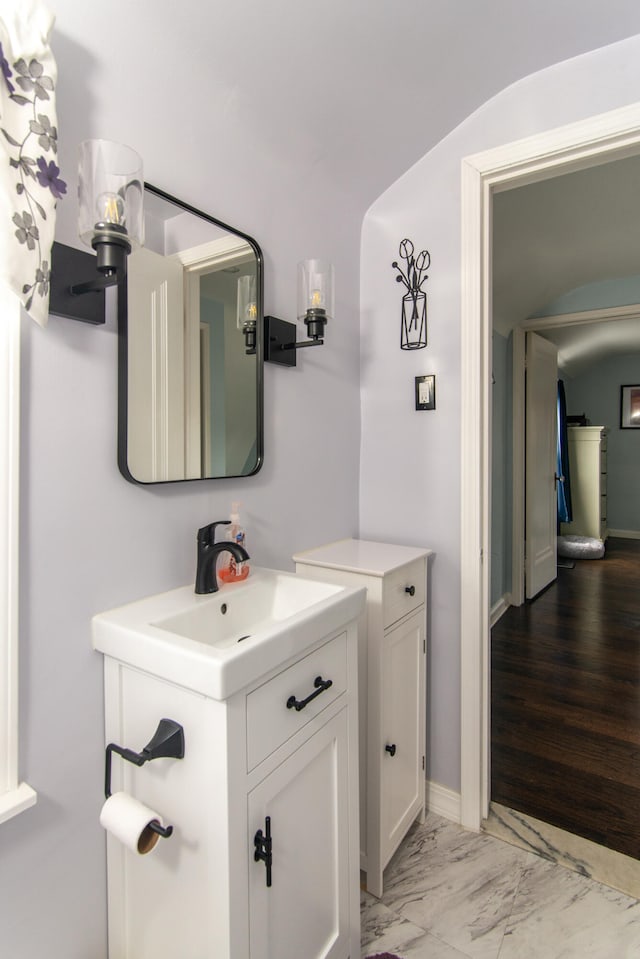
(201, 894)
(392, 686)
(588, 475)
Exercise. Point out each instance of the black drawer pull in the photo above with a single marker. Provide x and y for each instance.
(320, 686)
(411, 590)
(391, 749)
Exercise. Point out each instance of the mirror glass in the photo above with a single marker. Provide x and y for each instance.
(191, 357)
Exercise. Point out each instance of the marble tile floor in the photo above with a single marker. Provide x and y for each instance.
(452, 894)
(575, 853)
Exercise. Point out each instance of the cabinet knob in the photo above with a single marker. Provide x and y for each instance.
(411, 590)
(391, 749)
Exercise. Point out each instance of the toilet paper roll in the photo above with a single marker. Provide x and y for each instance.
(128, 820)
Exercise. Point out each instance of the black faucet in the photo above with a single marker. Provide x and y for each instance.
(208, 552)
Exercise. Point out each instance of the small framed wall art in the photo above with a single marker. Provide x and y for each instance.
(630, 407)
(426, 392)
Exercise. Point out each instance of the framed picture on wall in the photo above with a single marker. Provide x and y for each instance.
(630, 407)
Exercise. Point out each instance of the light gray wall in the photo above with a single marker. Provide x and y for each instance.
(597, 394)
(410, 462)
(90, 540)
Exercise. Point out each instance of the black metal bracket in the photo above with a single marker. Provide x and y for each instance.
(67, 264)
(320, 685)
(166, 742)
(263, 847)
(280, 344)
(109, 268)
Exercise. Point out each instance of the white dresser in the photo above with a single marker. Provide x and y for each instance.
(392, 686)
(588, 474)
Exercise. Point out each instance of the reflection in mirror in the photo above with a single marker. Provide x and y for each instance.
(191, 359)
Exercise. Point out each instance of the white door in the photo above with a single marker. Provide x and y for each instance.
(156, 439)
(541, 510)
(304, 914)
(402, 774)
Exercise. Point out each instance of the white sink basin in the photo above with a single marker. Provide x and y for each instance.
(219, 643)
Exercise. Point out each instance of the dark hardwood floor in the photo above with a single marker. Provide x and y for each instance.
(565, 725)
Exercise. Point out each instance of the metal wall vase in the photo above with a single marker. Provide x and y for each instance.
(413, 333)
(414, 321)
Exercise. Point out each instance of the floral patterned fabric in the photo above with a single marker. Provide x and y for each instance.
(30, 183)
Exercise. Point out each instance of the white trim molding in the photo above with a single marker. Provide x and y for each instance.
(624, 533)
(14, 796)
(499, 608)
(610, 136)
(442, 801)
(582, 318)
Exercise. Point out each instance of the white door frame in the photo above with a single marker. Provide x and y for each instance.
(599, 139)
(15, 796)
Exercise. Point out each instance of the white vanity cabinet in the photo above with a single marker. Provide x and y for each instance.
(392, 686)
(201, 893)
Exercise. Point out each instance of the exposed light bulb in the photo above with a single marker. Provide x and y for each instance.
(110, 208)
(315, 299)
(251, 312)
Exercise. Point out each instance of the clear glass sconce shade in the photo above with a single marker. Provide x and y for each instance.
(110, 192)
(247, 301)
(315, 288)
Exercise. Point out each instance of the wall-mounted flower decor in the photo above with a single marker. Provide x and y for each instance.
(413, 332)
(30, 185)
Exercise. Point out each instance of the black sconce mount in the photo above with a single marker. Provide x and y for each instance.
(72, 300)
(280, 342)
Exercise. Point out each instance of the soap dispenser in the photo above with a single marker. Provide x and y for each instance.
(230, 570)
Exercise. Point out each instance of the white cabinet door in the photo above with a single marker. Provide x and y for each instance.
(403, 731)
(305, 912)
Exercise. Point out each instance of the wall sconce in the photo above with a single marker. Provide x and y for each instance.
(315, 307)
(110, 194)
(248, 311)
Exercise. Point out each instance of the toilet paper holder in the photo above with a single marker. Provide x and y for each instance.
(167, 742)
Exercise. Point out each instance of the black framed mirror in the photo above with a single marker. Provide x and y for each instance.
(191, 352)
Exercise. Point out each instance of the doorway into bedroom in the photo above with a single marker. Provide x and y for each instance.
(565, 724)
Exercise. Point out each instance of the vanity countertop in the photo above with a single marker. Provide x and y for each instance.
(361, 556)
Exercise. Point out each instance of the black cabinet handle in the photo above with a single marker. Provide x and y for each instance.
(411, 590)
(391, 749)
(262, 845)
(320, 686)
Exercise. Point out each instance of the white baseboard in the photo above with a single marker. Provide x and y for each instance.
(625, 533)
(499, 608)
(443, 801)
